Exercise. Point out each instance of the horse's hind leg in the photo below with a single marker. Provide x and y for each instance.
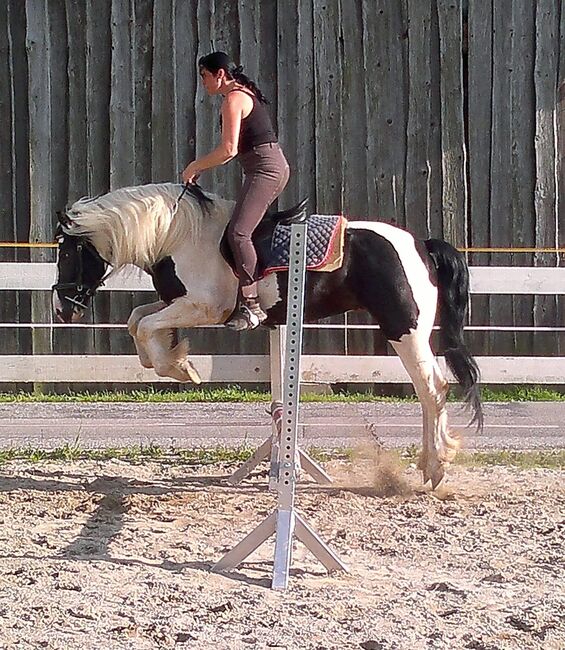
(438, 445)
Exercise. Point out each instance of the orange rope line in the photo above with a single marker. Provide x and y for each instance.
(478, 249)
(7, 244)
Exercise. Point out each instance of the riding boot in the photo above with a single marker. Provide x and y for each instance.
(247, 316)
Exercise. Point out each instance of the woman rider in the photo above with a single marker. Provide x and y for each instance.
(248, 134)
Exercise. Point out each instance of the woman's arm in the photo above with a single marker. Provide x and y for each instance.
(232, 108)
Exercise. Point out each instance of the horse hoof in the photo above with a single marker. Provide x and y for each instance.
(425, 475)
(191, 372)
(194, 376)
(437, 476)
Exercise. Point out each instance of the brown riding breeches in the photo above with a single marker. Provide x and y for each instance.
(266, 175)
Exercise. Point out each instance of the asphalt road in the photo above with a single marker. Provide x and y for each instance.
(530, 425)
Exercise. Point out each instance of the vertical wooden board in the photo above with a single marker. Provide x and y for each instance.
(267, 73)
(306, 140)
(501, 166)
(479, 122)
(561, 132)
(98, 66)
(374, 77)
(226, 39)
(98, 69)
(58, 135)
(384, 45)
(545, 84)
(63, 342)
(39, 89)
(454, 153)
(328, 89)
(479, 138)
(207, 108)
(8, 300)
(398, 57)
(19, 124)
(37, 43)
(77, 148)
(186, 78)
(354, 123)
(435, 145)
(19, 127)
(418, 168)
(561, 171)
(122, 137)
(288, 61)
(122, 125)
(522, 110)
(142, 88)
(6, 207)
(59, 144)
(162, 96)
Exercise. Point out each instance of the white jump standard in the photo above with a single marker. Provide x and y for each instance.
(285, 522)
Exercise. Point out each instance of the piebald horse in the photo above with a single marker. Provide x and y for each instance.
(399, 280)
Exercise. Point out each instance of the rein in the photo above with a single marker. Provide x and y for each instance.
(177, 202)
(195, 191)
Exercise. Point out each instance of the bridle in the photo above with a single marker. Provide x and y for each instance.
(77, 285)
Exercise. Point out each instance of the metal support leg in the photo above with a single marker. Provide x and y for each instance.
(261, 453)
(247, 545)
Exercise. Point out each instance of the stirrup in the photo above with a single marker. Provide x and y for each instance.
(247, 317)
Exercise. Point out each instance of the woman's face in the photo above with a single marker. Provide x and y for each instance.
(211, 81)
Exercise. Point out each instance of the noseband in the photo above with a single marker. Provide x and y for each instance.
(81, 294)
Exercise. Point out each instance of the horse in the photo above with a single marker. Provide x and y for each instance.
(401, 281)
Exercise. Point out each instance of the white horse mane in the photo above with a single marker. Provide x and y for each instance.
(136, 225)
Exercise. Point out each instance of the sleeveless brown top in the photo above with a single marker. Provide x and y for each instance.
(256, 128)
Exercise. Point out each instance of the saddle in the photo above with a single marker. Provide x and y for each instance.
(271, 238)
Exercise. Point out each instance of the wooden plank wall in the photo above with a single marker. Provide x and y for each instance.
(446, 117)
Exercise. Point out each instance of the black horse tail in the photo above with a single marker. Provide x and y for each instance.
(453, 290)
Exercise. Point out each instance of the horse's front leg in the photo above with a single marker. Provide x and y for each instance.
(133, 321)
(152, 329)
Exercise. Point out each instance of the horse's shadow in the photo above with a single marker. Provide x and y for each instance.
(107, 520)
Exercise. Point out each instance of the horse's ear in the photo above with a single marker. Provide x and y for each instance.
(64, 219)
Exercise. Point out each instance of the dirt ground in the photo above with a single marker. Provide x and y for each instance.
(117, 555)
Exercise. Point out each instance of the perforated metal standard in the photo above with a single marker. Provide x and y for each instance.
(285, 521)
(291, 377)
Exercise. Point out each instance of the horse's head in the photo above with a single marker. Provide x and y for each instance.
(80, 272)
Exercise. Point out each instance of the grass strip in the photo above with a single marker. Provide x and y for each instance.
(238, 394)
(548, 459)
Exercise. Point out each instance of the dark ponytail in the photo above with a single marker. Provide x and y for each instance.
(220, 61)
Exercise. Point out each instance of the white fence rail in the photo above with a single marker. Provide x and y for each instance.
(484, 279)
(256, 368)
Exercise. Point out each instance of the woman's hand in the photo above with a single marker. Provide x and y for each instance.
(191, 173)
